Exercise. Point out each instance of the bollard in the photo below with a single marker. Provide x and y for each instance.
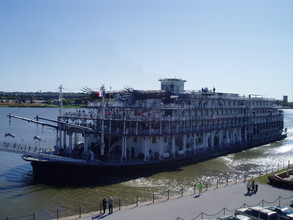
(100, 207)
(206, 187)
(57, 214)
(153, 197)
(194, 189)
(79, 211)
(34, 216)
(182, 192)
(227, 180)
(279, 200)
(136, 200)
(168, 194)
(119, 202)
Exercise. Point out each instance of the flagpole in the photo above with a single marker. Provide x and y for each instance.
(110, 93)
(103, 117)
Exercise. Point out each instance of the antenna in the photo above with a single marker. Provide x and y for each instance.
(292, 89)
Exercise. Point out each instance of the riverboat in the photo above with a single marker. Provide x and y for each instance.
(130, 131)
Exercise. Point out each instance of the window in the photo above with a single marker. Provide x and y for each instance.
(263, 216)
(165, 139)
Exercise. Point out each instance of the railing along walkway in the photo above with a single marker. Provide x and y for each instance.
(118, 204)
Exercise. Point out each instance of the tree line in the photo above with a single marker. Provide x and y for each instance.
(49, 98)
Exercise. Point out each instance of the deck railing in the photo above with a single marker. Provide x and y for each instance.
(22, 148)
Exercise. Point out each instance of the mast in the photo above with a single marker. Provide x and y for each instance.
(103, 118)
(60, 101)
(59, 133)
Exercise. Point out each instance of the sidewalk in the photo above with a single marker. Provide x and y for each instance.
(189, 207)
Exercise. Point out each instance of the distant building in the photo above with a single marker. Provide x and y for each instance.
(285, 99)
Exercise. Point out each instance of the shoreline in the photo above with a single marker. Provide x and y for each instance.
(195, 194)
(222, 201)
(39, 106)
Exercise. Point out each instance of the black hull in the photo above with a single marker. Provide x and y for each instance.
(97, 173)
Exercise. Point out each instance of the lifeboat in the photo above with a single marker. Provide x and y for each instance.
(37, 138)
(10, 135)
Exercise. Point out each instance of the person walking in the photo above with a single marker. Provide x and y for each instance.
(248, 186)
(104, 204)
(253, 186)
(256, 186)
(200, 188)
(110, 205)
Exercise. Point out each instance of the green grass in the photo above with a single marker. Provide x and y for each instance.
(264, 179)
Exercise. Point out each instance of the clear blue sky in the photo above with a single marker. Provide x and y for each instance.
(239, 46)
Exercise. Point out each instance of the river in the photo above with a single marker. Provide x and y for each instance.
(19, 195)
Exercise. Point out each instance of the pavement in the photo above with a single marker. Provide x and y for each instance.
(210, 204)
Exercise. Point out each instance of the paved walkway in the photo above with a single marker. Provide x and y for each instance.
(189, 207)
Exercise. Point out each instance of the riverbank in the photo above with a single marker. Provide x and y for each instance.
(24, 105)
(37, 105)
(221, 201)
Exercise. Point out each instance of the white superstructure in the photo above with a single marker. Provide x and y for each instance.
(149, 125)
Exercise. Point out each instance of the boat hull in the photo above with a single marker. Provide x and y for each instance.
(82, 171)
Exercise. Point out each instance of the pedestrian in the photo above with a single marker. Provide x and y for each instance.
(104, 204)
(256, 186)
(253, 186)
(110, 205)
(200, 188)
(248, 186)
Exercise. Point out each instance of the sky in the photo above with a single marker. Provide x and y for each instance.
(237, 46)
